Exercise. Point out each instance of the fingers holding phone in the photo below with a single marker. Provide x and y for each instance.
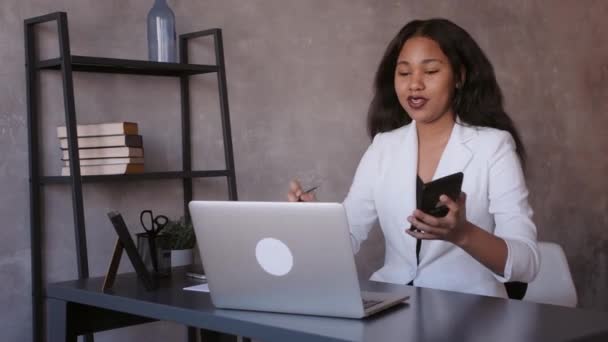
(442, 208)
(449, 227)
(456, 206)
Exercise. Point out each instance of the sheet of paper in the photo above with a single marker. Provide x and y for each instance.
(199, 288)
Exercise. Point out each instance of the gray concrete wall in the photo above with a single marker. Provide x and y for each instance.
(299, 82)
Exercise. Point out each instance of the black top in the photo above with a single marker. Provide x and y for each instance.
(419, 186)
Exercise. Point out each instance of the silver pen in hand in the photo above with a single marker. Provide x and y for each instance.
(307, 191)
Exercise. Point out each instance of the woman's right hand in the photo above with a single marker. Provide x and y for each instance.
(297, 194)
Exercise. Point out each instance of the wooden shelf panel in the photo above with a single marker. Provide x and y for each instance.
(136, 177)
(128, 66)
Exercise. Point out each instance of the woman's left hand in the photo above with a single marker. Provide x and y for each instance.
(452, 227)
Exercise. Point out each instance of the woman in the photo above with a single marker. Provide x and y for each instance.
(438, 110)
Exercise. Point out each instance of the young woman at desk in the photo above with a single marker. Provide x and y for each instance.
(438, 110)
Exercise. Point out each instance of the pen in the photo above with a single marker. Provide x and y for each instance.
(196, 275)
(307, 191)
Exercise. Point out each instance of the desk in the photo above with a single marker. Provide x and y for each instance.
(79, 307)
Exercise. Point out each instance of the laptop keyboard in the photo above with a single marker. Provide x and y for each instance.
(368, 303)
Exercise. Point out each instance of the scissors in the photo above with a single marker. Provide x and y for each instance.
(156, 224)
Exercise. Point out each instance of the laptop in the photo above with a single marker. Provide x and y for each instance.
(282, 257)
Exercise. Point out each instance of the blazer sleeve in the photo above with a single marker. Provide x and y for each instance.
(508, 197)
(359, 204)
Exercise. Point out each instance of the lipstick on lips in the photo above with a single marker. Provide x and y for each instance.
(416, 102)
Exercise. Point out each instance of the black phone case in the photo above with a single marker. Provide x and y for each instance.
(449, 185)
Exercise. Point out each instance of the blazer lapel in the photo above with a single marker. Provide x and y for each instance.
(410, 167)
(457, 154)
(401, 186)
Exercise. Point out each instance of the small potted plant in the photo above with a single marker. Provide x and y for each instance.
(181, 241)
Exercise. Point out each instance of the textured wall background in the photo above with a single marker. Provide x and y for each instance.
(299, 82)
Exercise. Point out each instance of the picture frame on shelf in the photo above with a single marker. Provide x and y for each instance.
(125, 242)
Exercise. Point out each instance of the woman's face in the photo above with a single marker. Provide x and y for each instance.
(424, 80)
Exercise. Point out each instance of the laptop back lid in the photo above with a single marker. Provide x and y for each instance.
(278, 256)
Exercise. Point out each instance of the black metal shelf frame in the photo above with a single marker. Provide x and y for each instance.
(137, 177)
(67, 64)
(128, 66)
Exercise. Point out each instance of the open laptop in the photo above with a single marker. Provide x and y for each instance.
(282, 257)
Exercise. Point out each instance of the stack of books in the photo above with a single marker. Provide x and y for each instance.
(105, 149)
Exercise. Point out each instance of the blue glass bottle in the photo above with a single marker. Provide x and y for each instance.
(161, 33)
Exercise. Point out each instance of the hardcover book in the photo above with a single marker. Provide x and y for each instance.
(111, 128)
(114, 169)
(107, 161)
(104, 141)
(106, 152)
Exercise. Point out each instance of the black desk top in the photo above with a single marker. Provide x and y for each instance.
(430, 315)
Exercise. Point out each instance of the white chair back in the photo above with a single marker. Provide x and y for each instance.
(553, 284)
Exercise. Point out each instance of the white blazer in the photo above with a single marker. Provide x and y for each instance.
(384, 190)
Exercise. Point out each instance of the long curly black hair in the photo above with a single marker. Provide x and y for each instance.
(477, 102)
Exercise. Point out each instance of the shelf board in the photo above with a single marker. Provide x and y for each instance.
(128, 66)
(136, 177)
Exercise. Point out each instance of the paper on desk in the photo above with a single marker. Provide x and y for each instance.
(199, 288)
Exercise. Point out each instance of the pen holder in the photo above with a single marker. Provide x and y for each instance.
(163, 254)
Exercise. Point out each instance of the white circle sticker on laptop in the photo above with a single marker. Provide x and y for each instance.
(274, 256)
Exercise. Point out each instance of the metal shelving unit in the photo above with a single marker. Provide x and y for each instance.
(127, 66)
(67, 64)
(142, 176)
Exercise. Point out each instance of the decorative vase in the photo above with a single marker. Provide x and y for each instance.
(161, 33)
(181, 257)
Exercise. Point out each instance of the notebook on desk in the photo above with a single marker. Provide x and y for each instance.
(282, 257)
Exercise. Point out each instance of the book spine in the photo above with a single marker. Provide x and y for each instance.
(104, 129)
(106, 152)
(107, 161)
(117, 169)
(105, 141)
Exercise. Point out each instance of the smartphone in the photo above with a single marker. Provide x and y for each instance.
(449, 185)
